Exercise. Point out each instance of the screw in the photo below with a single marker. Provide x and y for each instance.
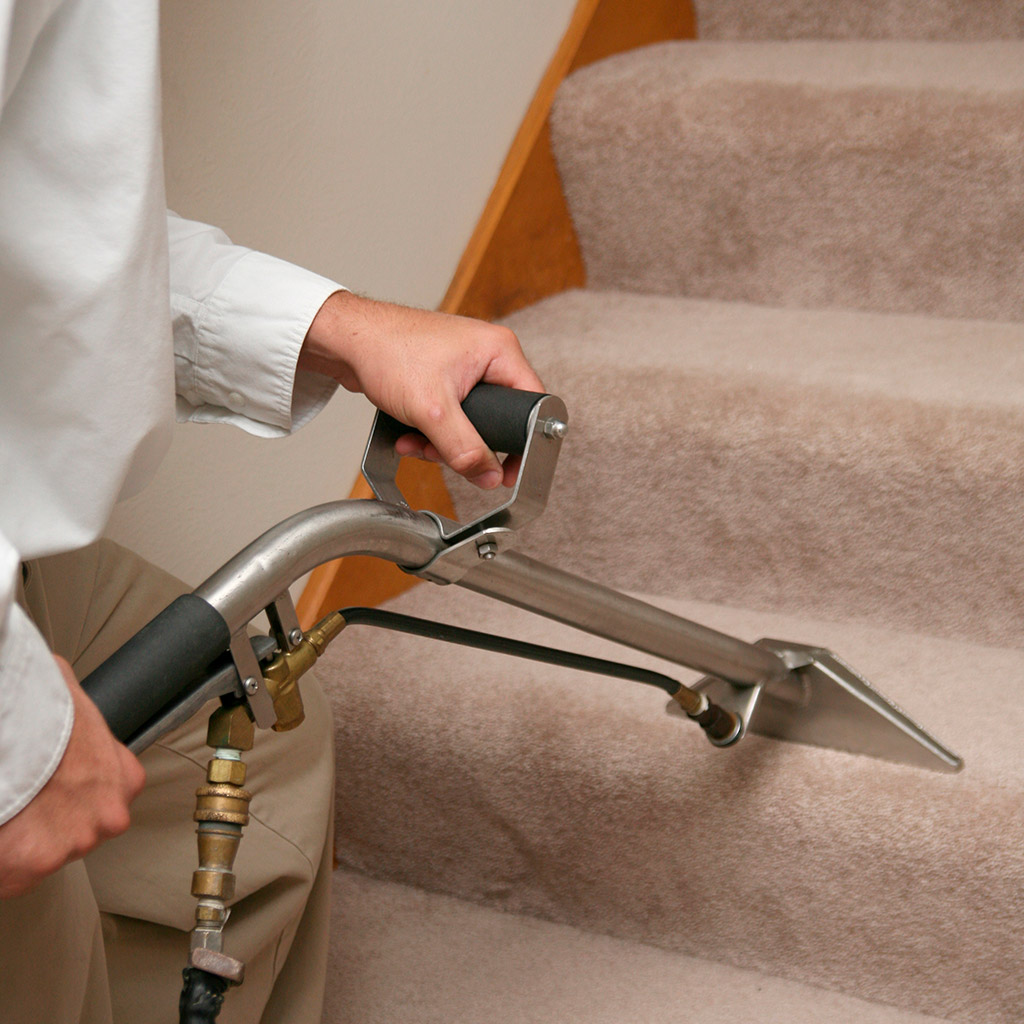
(295, 637)
(487, 549)
(555, 428)
(251, 685)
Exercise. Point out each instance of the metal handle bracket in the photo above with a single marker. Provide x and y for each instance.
(493, 532)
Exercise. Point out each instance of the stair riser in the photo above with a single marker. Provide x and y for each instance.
(795, 195)
(876, 19)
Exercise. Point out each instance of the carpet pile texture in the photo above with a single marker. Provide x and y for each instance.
(796, 390)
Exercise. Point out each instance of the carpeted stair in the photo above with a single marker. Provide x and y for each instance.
(796, 383)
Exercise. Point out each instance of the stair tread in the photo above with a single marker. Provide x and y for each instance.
(931, 678)
(401, 954)
(577, 799)
(977, 363)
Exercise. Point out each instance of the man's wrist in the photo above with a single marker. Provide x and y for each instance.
(334, 327)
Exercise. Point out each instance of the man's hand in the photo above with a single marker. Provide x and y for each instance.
(419, 366)
(84, 802)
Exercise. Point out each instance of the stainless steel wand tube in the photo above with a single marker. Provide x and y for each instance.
(526, 583)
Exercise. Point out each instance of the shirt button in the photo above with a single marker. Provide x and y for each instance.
(236, 402)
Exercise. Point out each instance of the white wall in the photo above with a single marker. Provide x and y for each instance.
(359, 138)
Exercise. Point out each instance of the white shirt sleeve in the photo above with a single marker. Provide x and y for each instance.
(33, 693)
(240, 318)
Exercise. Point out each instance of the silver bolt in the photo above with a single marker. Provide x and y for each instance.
(555, 428)
(487, 549)
(295, 637)
(251, 685)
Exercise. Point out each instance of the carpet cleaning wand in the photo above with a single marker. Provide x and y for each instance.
(199, 647)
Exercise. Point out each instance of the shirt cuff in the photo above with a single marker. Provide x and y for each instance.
(241, 367)
(36, 714)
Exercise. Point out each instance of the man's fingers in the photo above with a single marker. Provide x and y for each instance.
(510, 469)
(471, 458)
(133, 776)
(417, 446)
(467, 454)
(457, 443)
(520, 375)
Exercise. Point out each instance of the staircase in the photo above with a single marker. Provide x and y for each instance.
(796, 382)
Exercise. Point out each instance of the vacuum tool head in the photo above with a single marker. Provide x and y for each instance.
(824, 702)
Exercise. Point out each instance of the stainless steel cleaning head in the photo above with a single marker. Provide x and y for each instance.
(823, 702)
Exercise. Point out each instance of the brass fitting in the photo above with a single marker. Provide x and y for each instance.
(282, 676)
(223, 770)
(222, 805)
(223, 802)
(232, 728)
(283, 673)
(691, 701)
(222, 809)
(325, 631)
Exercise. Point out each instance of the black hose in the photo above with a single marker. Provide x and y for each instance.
(201, 996)
(718, 723)
(503, 645)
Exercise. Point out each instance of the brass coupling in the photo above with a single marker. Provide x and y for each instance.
(222, 804)
(222, 809)
(720, 726)
(283, 673)
(325, 631)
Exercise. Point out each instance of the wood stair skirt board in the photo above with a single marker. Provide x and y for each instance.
(523, 249)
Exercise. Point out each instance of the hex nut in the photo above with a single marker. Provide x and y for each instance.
(222, 770)
(231, 727)
(219, 884)
(210, 915)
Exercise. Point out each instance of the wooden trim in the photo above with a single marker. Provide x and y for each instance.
(459, 297)
(522, 250)
(524, 247)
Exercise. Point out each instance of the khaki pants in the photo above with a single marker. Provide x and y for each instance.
(106, 939)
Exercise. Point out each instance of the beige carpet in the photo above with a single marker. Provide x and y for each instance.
(796, 383)
(404, 956)
(874, 176)
(865, 19)
(577, 799)
(854, 465)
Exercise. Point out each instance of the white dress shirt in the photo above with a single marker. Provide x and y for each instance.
(108, 307)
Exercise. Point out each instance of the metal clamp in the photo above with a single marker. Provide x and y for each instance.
(284, 624)
(490, 534)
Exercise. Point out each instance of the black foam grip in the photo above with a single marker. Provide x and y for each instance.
(159, 662)
(501, 415)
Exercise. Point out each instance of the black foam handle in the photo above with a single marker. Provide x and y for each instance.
(501, 416)
(164, 658)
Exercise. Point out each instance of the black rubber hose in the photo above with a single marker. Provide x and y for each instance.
(503, 645)
(202, 995)
(718, 723)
